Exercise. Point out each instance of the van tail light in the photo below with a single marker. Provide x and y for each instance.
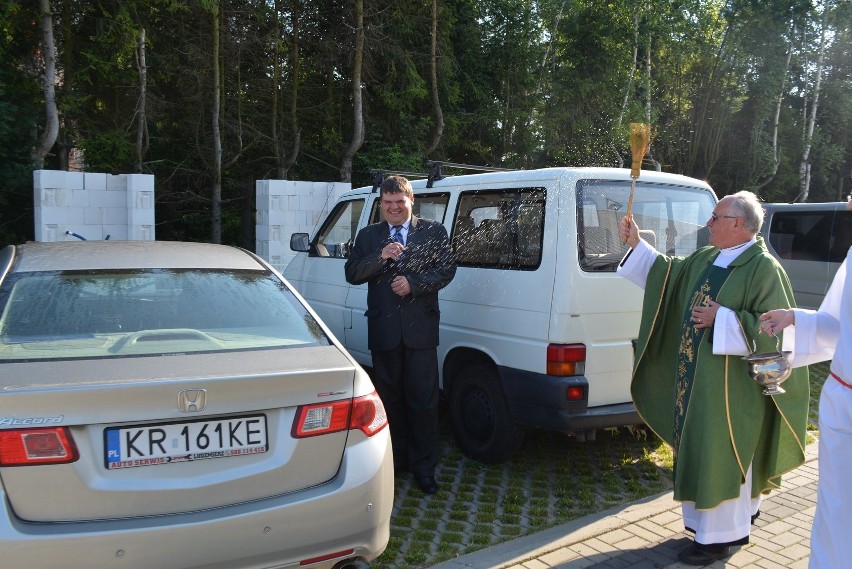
(575, 393)
(566, 359)
(30, 447)
(365, 413)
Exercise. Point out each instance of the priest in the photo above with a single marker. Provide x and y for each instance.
(731, 443)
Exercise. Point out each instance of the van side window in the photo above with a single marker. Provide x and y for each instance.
(801, 236)
(336, 236)
(841, 236)
(672, 219)
(500, 229)
(823, 236)
(430, 206)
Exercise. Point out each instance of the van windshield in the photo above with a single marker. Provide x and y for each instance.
(671, 218)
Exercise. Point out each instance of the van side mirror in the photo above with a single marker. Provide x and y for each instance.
(300, 242)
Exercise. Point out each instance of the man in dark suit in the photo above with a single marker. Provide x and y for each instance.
(406, 260)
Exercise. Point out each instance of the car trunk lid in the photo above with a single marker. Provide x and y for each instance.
(251, 396)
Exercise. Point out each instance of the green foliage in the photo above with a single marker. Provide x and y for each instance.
(107, 151)
(16, 221)
(378, 154)
(18, 111)
(521, 84)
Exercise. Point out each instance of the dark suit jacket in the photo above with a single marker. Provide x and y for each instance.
(429, 265)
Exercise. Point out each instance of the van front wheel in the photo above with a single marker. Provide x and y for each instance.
(480, 416)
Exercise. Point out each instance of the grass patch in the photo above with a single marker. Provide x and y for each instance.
(552, 480)
(428, 524)
(417, 556)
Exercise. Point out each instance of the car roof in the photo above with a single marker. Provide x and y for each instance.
(94, 255)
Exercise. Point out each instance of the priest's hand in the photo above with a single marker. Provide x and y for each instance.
(628, 231)
(703, 316)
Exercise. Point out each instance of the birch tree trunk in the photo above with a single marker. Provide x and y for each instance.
(216, 190)
(64, 142)
(776, 159)
(357, 101)
(277, 143)
(141, 124)
(438, 128)
(657, 166)
(619, 159)
(51, 130)
(295, 72)
(805, 166)
(286, 154)
(707, 133)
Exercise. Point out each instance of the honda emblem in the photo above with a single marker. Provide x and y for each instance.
(192, 400)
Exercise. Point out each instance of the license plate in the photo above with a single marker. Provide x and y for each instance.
(164, 443)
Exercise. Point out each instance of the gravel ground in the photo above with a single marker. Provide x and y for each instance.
(552, 480)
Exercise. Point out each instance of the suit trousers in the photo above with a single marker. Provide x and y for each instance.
(407, 382)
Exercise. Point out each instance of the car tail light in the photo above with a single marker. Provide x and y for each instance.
(321, 419)
(29, 447)
(566, 359)
(366, 413)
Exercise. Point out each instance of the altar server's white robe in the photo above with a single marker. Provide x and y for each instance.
(820, 335)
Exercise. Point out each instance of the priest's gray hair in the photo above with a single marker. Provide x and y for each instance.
(748, 207)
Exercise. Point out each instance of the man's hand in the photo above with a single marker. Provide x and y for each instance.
(392, 251)
(703, 316)
(400, 285)
(628, 231)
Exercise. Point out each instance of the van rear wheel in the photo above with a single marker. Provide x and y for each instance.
(480, 416)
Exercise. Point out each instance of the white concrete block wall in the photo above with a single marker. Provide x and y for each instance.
(140, 207)
(95, 180)
(285, 207)
(96, 205)
(93, 205)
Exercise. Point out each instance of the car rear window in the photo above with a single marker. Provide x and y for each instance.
(95, 314)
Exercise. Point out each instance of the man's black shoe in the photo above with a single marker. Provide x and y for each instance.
(700, 554)
(427, 484)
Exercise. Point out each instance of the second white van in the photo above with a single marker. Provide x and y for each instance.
(537, 330)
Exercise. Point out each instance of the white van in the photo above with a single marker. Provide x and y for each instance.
(810, 240)
(536, 328)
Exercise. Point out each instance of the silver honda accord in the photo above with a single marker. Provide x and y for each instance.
(169, 404)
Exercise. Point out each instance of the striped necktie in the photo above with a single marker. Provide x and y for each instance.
(397, 234)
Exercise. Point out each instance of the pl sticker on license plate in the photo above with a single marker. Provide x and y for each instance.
(164, 443)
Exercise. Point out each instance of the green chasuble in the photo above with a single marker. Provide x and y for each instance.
(723, 423)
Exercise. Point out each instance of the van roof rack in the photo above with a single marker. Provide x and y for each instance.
(436, 170)
(379, 175)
